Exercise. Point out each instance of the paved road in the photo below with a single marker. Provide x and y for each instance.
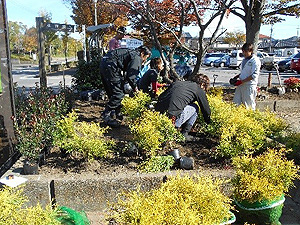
(27, 75)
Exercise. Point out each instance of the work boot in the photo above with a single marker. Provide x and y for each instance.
(185, 129)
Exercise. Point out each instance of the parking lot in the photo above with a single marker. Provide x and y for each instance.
(222, 76)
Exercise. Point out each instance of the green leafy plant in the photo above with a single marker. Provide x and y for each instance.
(240, 131)
(36, 115)
(180, 200)
(14, 212)
(82, 137)
(157, 164)
(87, 76)
(264, 177)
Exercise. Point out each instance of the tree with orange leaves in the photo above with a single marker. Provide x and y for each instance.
(162, 21)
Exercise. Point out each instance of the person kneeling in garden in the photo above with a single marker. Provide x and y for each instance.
(179, 103)
(149, 82)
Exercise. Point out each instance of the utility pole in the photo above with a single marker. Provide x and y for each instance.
(270, 50)
(96, 23)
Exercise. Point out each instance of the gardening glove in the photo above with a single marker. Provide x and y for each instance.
(238, 82)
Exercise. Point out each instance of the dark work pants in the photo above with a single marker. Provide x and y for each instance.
(113, 84)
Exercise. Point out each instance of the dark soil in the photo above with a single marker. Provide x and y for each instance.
(125, 161)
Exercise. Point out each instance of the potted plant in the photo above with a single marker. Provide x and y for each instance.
(179, 200)
(260, 183)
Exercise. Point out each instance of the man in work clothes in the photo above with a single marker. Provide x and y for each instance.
(178, 101)
(116, 67)
(246, 90)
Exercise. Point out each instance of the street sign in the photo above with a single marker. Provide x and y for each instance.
(60, 27)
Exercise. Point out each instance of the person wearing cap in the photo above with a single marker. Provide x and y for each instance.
(115, 42)
(117, 67)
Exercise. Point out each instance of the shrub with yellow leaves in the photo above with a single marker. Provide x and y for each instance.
(239, 130)
(264, 177)
(181, 200)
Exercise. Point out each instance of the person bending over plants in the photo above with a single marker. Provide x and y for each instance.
(179, 103)
(116, 67)
(148, 83)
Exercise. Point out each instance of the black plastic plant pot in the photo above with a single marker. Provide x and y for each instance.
(186, 163)
(175, 153)
(265, 212)
(30, 167)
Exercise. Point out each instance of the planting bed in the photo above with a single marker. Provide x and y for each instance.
(126, 161)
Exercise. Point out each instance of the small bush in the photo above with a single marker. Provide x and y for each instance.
(240, 131)
(180, 200)
(13, 211)
(87, 76)
(134, 106)
(85, 138)
(151, 130)
(264, 177)
(36, 115)
(157, 164)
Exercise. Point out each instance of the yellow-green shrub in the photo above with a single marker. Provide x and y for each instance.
(13, 211)
(85, 138)
(181, 200)
(151, 130)
(240, 131)
(157, 164)
(264, 177)
(134, 106)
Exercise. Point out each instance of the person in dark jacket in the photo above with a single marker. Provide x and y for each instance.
(117, 67)
(149, 81)
(179, 103)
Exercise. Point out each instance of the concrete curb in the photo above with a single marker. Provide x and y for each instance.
(94, 193)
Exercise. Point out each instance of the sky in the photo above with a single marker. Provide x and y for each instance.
(25, 11)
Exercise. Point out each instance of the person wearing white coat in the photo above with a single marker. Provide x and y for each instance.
(246, 90)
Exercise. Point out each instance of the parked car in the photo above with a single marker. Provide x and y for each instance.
(284, 65)
(223, 61)
(236, 58)
(211, 57)
(295, 63)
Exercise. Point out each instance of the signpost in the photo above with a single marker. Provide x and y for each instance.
(41, 26)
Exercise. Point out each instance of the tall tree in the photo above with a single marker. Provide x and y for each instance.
(30, 40)
(16, 36)
(84, 12)
(235, 38)
(164, 20)
(256, 12)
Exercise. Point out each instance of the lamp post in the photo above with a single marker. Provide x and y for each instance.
(95, 1)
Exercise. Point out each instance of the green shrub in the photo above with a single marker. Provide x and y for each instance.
(264, 177)
(157, 164)
(36, 115)
(13, 211)
(87, 76)
(240, 131)
(181, 200)
(82, 137)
